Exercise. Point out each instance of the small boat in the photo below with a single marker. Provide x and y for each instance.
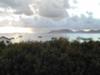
(39, 36)
(20, 36)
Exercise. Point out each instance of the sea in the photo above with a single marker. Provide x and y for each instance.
(48, 36)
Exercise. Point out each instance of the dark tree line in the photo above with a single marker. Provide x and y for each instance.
(54, 57)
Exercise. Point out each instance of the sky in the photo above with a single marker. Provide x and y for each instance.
(33, 16)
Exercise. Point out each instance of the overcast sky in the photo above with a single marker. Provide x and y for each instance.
(50, 14)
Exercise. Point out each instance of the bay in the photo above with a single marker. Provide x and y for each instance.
(47, 36)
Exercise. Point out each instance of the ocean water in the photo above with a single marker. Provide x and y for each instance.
(72, 36)
(45, 36)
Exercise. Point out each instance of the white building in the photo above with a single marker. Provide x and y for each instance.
(5, 40)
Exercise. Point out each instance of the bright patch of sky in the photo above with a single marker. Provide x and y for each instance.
(86, 7)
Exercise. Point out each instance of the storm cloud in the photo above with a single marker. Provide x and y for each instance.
(21, 6)
(47, 8)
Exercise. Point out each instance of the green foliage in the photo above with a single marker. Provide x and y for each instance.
(54, 57)
(2, 45)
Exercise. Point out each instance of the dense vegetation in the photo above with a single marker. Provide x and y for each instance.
(55, 57)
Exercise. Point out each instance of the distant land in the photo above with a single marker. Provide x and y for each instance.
(75, 31)
(61, 31)
(89, 31)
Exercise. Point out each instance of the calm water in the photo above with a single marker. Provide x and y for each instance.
(44, 37)
(70, 36)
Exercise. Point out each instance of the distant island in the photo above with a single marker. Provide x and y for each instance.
(61, 31)
(89, 31)
(75, 31)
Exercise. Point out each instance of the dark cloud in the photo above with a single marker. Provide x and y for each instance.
(21, 6)
(74, 22)
(47, 8)
(53, 8)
